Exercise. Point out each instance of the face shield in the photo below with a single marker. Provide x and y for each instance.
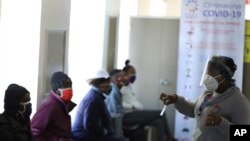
(204, 70)
(216, 65)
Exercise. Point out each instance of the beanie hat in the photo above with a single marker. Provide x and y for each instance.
(13, 96)
(60, 80)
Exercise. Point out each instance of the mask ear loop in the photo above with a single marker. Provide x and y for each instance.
(221, 80)
(24, 106)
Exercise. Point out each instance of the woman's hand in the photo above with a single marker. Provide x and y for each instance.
(168, 99)
(213, 119)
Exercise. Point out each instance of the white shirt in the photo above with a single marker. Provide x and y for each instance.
(129, 100)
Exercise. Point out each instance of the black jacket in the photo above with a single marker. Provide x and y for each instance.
(13, 130)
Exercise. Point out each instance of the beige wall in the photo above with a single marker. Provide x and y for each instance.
(153, 52)
(112, 7)
(247, 13)
(143, 7)
(171, 8)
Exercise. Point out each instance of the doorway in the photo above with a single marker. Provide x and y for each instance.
(153, 52)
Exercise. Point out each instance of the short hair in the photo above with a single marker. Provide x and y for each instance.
(114, 72)
(60, 80)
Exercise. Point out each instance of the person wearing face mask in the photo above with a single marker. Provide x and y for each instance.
(15, 120)
(114, 99)
(220, 105)
(115, 108)
(52, 121)
(134, 113)
(130, 101)
(93, 121)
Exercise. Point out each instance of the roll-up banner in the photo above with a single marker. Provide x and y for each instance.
(207, 27)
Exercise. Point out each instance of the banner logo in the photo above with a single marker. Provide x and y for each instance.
(192, 6)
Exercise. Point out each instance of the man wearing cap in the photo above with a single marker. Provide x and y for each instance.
(93, 121)
(52, 121)
(220, 104)
(15, 120)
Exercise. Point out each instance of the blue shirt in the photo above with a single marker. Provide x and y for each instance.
(114, 101)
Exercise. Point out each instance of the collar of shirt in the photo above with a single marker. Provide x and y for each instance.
(99, 92)
(115, 88)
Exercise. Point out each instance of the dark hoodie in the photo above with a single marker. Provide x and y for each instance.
(13, 127)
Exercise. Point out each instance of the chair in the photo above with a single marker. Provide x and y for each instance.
(148, 131)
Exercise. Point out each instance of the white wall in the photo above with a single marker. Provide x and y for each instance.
(19, 45)
(55, 16)
(0, 9)
(85, 44)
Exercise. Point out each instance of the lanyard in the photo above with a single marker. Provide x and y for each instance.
(209, 95)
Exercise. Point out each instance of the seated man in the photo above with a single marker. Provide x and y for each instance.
(93, 121)
(52, 121)
(135, 117)
(114, 100)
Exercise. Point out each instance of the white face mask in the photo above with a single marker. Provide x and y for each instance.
(24, 106)
(210, 83)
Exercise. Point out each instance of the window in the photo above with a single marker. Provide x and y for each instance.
(19, 45)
